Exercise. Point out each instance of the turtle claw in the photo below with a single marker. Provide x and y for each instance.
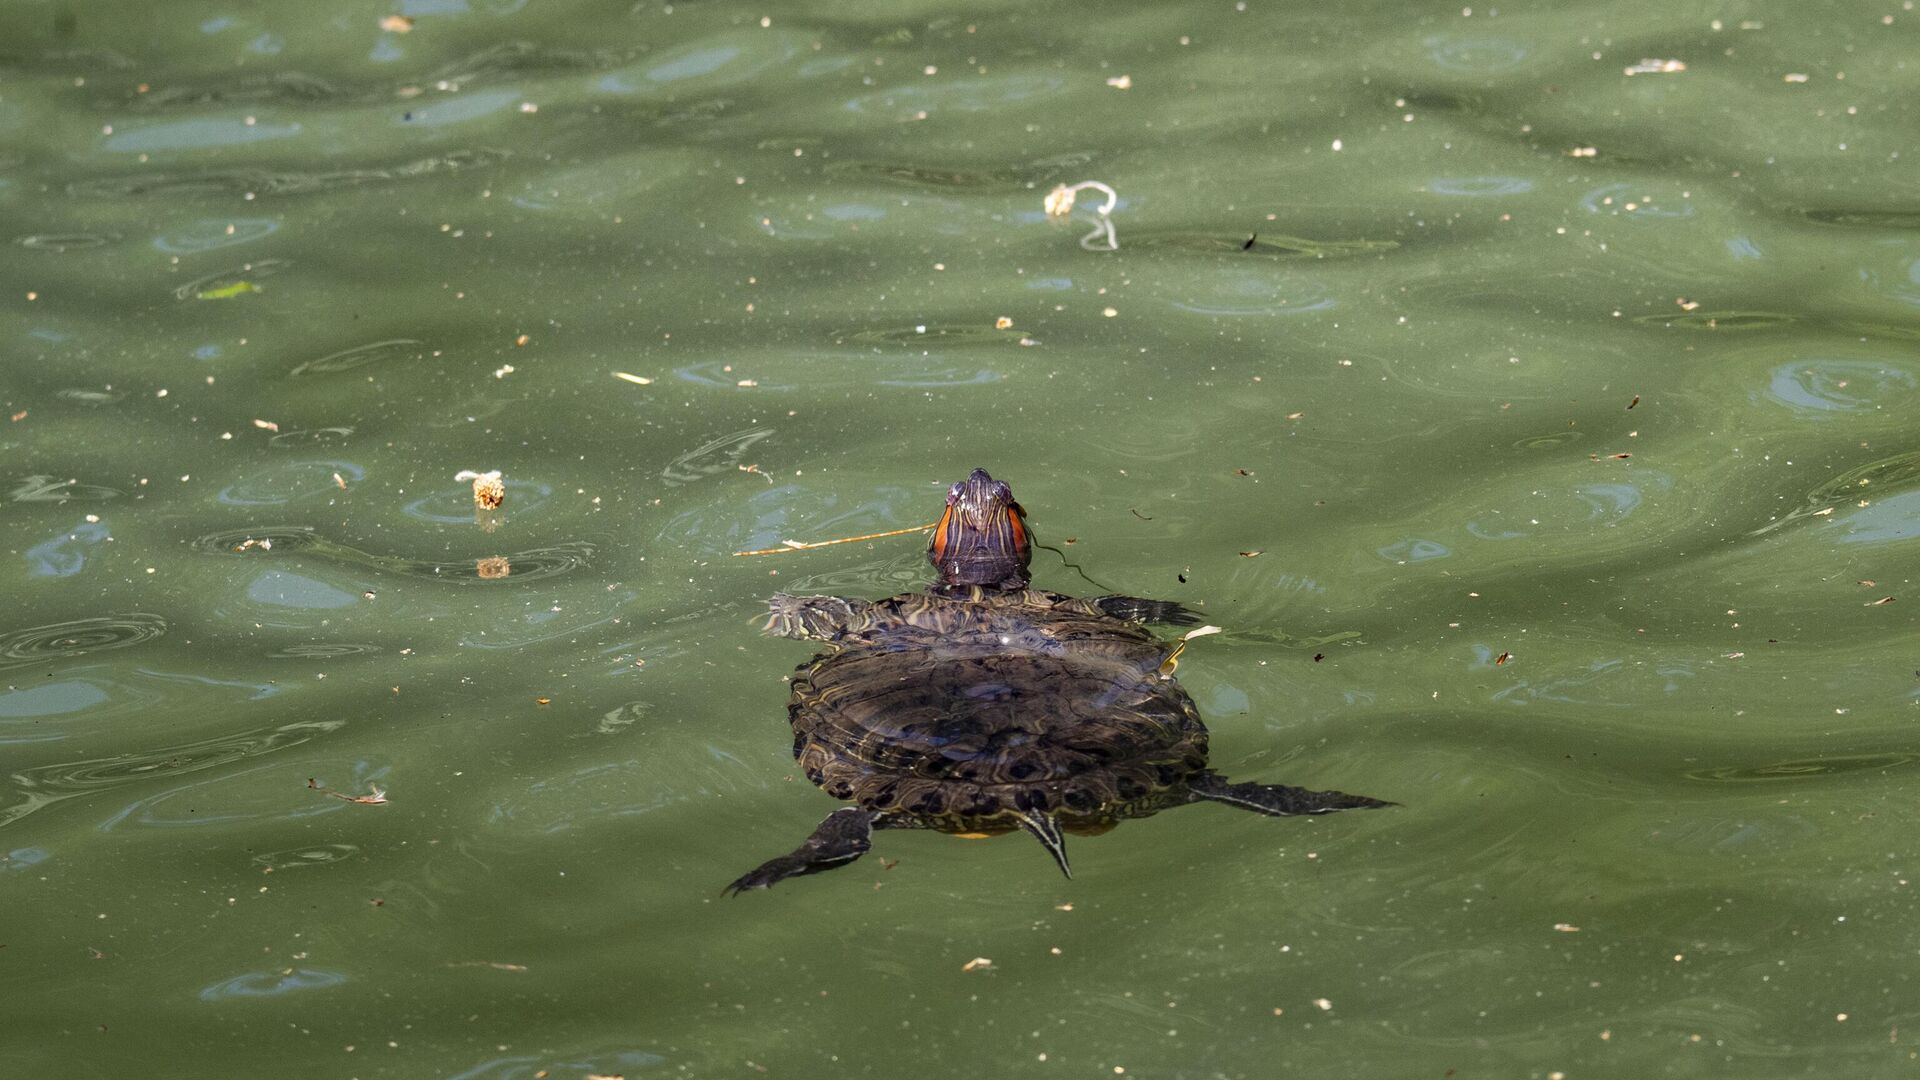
(1046, 830)
(844, 836)
(1135, 609)
(1278, 800)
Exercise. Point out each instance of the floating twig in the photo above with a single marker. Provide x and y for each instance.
(378, 796)
(802, 545)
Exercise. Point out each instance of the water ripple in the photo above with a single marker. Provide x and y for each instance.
(214, 233)
(1871, 480)
(290, 481)
(268, 541)
(223, 280)
(271, 984)
(45, 785)
(241, 182)
(78, 637)
(310, 855)
(1817, 386)
(1265, 246)
(378, 352)
(1806, 768)
(61, 243)
(911, 174)
(930, 335)
(44, 488)
(714, 457)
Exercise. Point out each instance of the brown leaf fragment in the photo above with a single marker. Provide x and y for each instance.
(1621, 456)
(396, 24)
(543, 701)
(1243, 472)
(1635, 401)
(19, 416)
(1882, 600)
(1252, 554)
(1317, 657)
(1502, 658)
(1868, 582)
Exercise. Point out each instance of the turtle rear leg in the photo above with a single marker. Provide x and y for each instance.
(1149, 611)
(1277, 800)
(843, 837)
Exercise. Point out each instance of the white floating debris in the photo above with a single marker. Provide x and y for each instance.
(1656, 67)
(637, 380)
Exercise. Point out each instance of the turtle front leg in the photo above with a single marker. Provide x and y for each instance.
(1277, 800)
(815, 618)
(842, 838)
(1148, 611)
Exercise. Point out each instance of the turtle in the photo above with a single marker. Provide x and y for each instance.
(981, 705)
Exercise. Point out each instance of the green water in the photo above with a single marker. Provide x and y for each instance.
(1383, 445)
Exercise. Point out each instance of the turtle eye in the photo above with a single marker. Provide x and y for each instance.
(953, 494)
(1002, 492)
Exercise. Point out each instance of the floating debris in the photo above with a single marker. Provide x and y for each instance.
(637, 380)
(396, 24)
(978, 963)
(1121, 82)
(1656, 67)
(489, 491)
(378, 796)
(1059, 203)
(266, 425)
(493, 567)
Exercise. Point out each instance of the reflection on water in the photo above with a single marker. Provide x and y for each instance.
(271, 984)
(1820, 385)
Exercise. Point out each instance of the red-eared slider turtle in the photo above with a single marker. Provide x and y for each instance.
(981, 705)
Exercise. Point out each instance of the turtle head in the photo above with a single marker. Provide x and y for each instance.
(982, 538)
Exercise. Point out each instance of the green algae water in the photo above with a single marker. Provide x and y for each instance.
(1529, 393)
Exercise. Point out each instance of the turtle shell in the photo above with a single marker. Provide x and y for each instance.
(961, 714)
